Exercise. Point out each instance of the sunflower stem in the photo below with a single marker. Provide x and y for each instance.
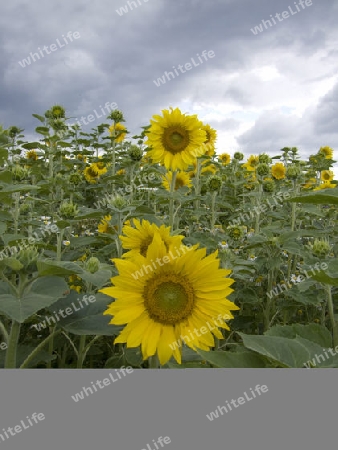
(154, 362)
(334, 324)
(171, 201)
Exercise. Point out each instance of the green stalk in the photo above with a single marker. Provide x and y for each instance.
(10, 361)
(334, 324)
(171, 202)
(37, 350)
(154, 362)
(213, 212)
(81, 351)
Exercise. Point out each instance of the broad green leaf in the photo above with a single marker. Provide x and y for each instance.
(287, 352)
(327, 196)
(233, 360)
(84, 318)
(312, 332)
(38, 295)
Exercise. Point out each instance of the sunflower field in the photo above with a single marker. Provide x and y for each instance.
(154, 251)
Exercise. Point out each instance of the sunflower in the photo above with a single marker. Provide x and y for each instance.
(81, 157)
(104, 226)
(206, 168)
(327, 152)
(325, 185)
(310, 183)
(182, 179)
(326, 175)
(138, 239)
(278, 171)
(225, 159)
(165, 305)
(120, 131)
(90, 174)
(31, 154)
(251, 163)
(99, 167)
(210, 140)
(176, 139)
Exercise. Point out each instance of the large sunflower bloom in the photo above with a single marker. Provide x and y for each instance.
(138, 239)
(251, 163)
(326, 175)
(163, 306)
(327, 152)
(278, 171)
(90, 174)
(120, 131)
(210, 140)
(182, 179)
(176, 139)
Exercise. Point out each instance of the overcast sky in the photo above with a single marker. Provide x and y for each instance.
(262, 92)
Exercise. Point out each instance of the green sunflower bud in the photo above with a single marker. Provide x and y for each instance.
(68, 210)
(320, 247)
(92, 265)
(235, 232)
(292, 172)
(268, 186)
(135, 153)
(214, 183)
(239, 156)
(117, 202)
(28, 257)
(116, 116)
(264, 158)
(262, 169)
(75, 178)
(57, 112)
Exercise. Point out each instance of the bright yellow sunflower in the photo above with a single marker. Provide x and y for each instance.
(137, 239)
(210, 140)
(182, 179)
(120, 131)
(251, 163)
(176, 139)
(31, 154)
(310, 183)
(161, 307)
(225, 159)
(278, 171)
(325, 185)
(104, 226)
(327, 152)
(99, 167)
(206, 168)
(91, 174)
(326, 175)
